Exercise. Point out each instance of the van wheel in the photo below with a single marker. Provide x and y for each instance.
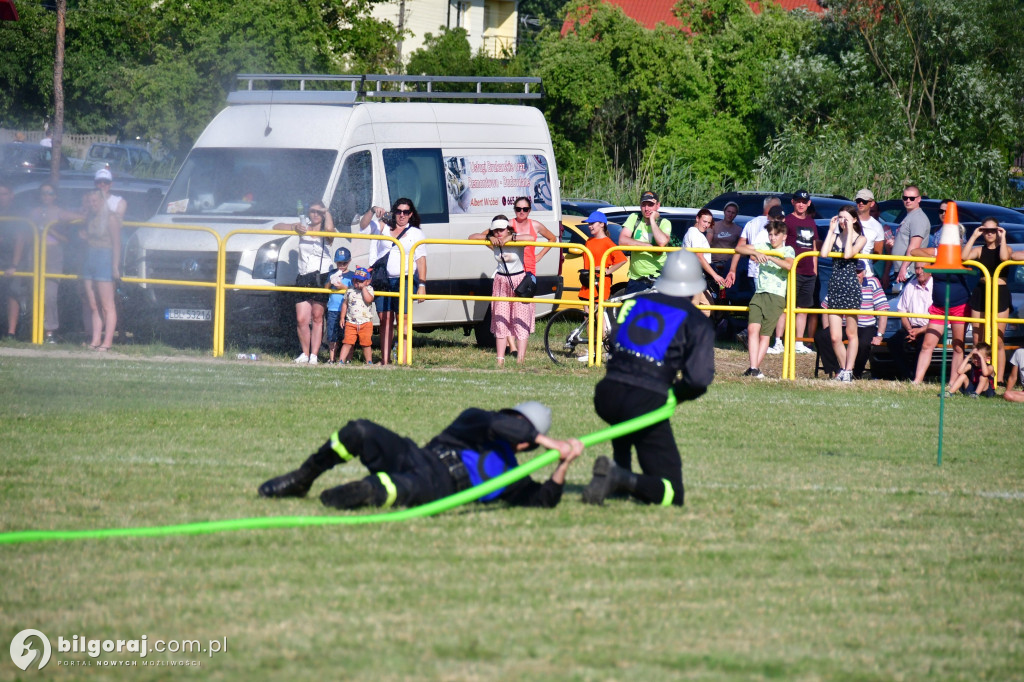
(482, 331)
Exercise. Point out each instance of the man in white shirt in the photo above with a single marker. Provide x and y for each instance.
(755, 230)
(873, 230)
(905, 344)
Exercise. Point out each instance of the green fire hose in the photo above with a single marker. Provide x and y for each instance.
(435, 507)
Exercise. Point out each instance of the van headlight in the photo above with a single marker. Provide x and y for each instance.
(265, 265)
(133, 255)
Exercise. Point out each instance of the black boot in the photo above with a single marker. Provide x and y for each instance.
(296, 483)
(608, 478)
(356, 494)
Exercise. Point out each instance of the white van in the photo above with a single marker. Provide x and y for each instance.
(271, 152)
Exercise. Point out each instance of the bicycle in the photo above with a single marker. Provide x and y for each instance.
(566, 338)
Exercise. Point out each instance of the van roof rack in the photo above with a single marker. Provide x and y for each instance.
(331, 89)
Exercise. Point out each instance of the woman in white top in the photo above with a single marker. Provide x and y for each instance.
(405, 227)
(508, 320)
(314, 259)
(696, 238)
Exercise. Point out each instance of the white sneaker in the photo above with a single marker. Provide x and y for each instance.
(845, 376)
(313, 359)
(801, 348)
(777, 349)
(302, 358)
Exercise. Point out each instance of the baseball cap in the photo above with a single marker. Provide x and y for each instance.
(361, 274)
(103, 174)
(648, 196)
(776, 212)
(861, 265)
(864, 194)
(596, 217)
(802, 194)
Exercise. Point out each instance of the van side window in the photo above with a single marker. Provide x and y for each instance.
(354, 191)
(419, 175)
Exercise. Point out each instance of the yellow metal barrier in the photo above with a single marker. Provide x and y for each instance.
(602, 304)
(182, 282)
(33, 253)
(993, 307)
(39, 284)
(451, 297)
(789, 355)
(219, 309)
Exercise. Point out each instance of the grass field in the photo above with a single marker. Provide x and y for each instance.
(819, 538)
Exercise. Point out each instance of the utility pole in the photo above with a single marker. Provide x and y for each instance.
(58, 92)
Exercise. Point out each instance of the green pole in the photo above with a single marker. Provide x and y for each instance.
(945, 348)
(436, 507)
(942, 390)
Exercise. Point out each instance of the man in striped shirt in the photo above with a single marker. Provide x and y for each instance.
(870, 328)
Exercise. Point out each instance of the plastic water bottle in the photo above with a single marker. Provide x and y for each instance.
(247, 356)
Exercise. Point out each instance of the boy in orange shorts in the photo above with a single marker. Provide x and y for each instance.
(358, 316)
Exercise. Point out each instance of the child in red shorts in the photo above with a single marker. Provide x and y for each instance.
(358, 316)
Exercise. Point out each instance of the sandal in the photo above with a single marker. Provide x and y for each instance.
(100, 349)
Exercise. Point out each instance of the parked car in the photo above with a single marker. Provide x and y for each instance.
(18, 159)
(892, 211)
(752, 203)
(120, 158)
(582, 207)
(143, 196)
(682, 219)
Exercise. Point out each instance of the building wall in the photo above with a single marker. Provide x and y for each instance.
(491, 24)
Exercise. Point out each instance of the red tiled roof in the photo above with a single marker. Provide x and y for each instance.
(8, 11)
(650, 13)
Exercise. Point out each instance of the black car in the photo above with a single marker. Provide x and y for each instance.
(18, 159)
(892, 211)
(752, 203)
(582, 207)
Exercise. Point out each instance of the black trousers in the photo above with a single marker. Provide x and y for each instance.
(904, 352)
(418, 475)
(655, 445)
(827, 354)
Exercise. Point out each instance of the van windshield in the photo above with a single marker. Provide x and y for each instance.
(249, 182)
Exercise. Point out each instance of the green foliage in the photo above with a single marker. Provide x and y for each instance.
(161, 70)
(26, 70)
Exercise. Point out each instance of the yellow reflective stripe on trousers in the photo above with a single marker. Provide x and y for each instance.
(389, 485)
(339, 448)
(670, 494)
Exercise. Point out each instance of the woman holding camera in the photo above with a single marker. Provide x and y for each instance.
(993, 252)
(846, 234)
(402, 224)
(314, 262)
(508, 320)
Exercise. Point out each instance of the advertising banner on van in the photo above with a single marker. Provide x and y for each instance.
(490, 184)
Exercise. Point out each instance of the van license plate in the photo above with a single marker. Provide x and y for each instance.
(189, 314)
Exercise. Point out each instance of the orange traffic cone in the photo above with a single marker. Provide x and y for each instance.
(950, 255)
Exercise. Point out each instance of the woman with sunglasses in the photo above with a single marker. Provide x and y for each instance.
(314, 262)
(403, 225)
(527, 230)
(994, 251)
(48, 213)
